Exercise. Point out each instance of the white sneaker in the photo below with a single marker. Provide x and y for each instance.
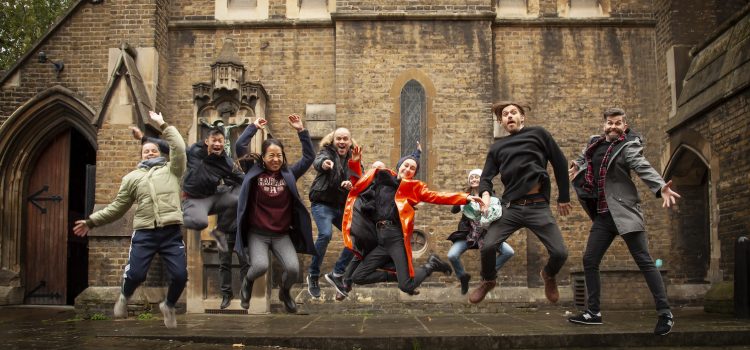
(170, 319)
(121, 307)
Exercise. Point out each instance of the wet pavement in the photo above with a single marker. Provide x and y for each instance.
(526, 328)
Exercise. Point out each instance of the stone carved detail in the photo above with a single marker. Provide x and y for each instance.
(228, 101)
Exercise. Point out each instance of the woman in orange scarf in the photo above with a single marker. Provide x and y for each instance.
(379, 229)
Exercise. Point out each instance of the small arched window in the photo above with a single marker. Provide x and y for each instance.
(413, 122)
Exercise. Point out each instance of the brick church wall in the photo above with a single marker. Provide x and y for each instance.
(567, 72)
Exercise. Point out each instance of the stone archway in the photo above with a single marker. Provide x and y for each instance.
(695, 242)
(23, 138)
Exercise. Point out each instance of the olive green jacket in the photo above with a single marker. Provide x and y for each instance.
(156, 191)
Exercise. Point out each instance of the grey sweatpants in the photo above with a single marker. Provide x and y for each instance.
(282, 248)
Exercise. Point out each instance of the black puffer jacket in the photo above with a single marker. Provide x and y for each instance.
(326, 187)
(206, 171)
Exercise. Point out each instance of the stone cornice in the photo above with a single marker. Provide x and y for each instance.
(575, 22)
(404, 16)
(182, 24)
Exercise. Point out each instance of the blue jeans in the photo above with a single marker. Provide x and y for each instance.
(326, 217)
(505, 252)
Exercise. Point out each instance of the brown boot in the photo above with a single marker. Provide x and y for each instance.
(550, 287)
(478, 294)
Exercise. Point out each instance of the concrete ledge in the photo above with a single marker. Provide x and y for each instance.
(387, 298)
(11, 295)
(687, 293)
(102, 300)
(720, 298)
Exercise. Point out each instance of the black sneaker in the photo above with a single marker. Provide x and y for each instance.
(464, 279)
(313, 287)
(664, 324)
(221, 240)
(338, 283)
(435, 264)
(586, 318)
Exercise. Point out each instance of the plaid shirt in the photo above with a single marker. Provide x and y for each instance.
(588, 186)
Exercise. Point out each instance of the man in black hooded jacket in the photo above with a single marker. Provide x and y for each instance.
(211, 186)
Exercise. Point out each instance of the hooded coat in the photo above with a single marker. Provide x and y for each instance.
(301, 230)
(621, 194)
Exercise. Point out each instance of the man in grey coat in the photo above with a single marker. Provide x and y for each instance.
(601, 178)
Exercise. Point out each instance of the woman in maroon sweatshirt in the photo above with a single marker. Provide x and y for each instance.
(270, 212)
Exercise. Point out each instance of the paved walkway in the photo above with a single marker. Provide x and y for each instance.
(28, 328)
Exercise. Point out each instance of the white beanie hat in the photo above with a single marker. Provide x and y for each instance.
(477, 172)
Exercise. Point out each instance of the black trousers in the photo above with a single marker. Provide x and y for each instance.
(390, 247)
(538, 218)
(225, 266)
(602, 233)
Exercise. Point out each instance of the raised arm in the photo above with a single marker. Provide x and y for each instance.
(355, 164)
(177, 157)
(243, 142)
(308, 153)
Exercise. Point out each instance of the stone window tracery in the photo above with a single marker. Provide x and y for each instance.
(413, 122)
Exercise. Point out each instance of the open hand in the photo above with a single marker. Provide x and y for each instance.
(472, 198)
(357, 153)
(564, 208)
(573, 170)
(81, 229)
(296, 122)
(157, 117)
(668, 196)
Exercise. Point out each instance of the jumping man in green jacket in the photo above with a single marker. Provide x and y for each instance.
(155, 187)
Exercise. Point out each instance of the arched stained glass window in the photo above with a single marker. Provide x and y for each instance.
(413, 122)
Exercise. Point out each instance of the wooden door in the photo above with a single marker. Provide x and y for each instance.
(47, 224)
